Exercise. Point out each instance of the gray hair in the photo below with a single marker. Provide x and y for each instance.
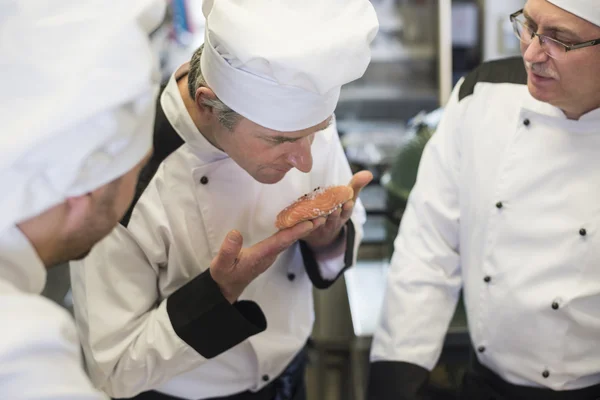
(226, 116)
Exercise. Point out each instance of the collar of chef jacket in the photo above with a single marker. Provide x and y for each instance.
(588, 123)
(177, 114)
(20, 264)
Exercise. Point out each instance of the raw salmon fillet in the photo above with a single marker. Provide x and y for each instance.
(320, 202)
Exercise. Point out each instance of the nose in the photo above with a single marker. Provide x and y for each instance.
(301, 157)
(534, 53)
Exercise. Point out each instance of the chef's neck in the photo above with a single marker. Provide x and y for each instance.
(576, 113)
(192, 109)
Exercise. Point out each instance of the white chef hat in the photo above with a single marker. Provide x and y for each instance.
(281, 63)
(586, 9)
(79, 81)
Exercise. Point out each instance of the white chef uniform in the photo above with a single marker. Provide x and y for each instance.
(123, 290)
(39, 351)
(505, 206)
(149, 314)
(71, 119)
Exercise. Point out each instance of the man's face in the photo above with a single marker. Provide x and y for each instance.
(108, 205)
(267, 155)
(571, 83)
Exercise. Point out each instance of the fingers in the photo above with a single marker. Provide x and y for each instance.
(359, 181)
(287, 237)
(229, 251)
(284, 238)
(318, 223)
(346, 211)
(333, 220)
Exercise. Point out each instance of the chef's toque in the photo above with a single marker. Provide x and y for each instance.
(281, 63)
(77, 98)
(586, 9)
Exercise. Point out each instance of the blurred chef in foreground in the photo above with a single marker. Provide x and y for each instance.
(76, 111)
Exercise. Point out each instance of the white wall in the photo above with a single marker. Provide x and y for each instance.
(498, 39)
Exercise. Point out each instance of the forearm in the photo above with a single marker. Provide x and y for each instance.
(194, 324)
(419, 304)
(424, 280)
(204, 319)
(138, 357)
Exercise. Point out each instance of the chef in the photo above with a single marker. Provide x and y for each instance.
(506, 208)
(243, 130)
(76, 127)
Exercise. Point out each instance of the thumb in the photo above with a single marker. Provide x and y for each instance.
(229, 251)
(359, 181)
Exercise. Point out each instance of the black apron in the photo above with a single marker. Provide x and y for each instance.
(480, 383)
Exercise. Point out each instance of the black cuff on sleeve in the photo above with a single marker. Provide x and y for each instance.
(395, 380)
(205, 320)
(312, 266)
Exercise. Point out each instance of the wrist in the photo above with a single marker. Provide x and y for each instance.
(228, 294)
(333, 249)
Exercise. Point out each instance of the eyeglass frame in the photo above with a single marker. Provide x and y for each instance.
(568, 47)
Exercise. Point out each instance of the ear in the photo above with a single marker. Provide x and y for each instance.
(202, 94)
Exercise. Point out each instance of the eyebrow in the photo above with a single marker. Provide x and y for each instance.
(285, 139)
(557, 29)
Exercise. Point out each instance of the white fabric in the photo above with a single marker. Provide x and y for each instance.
(586, 9)
(281, 64)
(175, 231)
(77, 101)
(452, 235)
(40, 356)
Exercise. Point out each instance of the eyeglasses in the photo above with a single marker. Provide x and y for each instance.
(551, 46)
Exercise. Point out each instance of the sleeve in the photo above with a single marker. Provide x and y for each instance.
(133, 339)
(323, 272)
(424, 280)
(39, 353)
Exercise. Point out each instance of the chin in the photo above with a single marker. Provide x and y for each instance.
(68, 257)
(81, 256)
(540, 94)
(269, 180)
(271, 176)
(547, 90)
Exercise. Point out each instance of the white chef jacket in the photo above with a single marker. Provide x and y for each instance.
(123, 289)
(39, 351)
(506, 207)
